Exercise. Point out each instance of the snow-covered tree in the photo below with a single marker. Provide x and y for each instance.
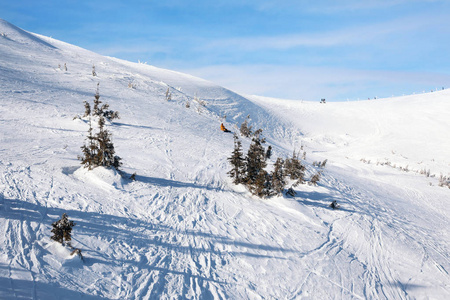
(294, 168)
(261, 186)
(99, 149)
(102, 110)
(245, 129)
(237, 162)
(87, 109)
(255, 161)
(62, 230)
(277, 177)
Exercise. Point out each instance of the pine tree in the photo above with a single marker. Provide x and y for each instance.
(256, 178)
(99, 150)
(255, 160)
(62, 230)
(106, 154)
(237, 162)
(87, 109)
(277, 177)
(102, 110)
(294, 168)
(269, 152)
(90, 150)
(261, 186)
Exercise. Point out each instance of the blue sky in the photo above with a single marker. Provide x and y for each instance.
(308, 50)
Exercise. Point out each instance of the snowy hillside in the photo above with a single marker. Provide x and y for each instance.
(182, 230)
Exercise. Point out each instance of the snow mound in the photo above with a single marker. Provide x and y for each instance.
(107, 179)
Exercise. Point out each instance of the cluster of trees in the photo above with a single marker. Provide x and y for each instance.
(99, 149)
(250, 170)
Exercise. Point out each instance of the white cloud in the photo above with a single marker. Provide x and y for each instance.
(355, 35)
(314, 83)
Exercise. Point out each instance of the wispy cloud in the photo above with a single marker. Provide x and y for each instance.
(314, 83)
(354, 35)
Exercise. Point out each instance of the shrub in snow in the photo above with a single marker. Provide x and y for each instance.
(334, 205)
(87, 109)
(245, 129)
(291, 192)
(77, 251)
(93, 71)
(200, 102)
(444, 181)
(168, 95)
(315, 178)
(62, 230)
(294, 168)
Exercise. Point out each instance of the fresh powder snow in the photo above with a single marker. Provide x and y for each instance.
(182, 230)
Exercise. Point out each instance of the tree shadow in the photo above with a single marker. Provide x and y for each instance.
(26, 289)
(161, 182)
(135, 126)
(133, 231)
(322, 200)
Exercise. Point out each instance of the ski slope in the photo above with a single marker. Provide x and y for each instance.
(182, 230)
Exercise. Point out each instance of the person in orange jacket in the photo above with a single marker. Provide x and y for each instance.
(222, 127)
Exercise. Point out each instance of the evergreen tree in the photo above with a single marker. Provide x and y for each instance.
(294, 168)
(256, 178)
(102, 110)
(99, 150)
(255, 161)
(277, 177)
(261, 186)
(62, 230)
(237, 162)
(269, 152)
(87, 109)
(106, 154)
(90, 150)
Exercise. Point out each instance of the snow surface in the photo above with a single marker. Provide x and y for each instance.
(182, 230)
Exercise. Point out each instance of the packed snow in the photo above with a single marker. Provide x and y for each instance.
(182, 230)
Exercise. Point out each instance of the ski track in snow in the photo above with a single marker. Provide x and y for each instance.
(182, 230)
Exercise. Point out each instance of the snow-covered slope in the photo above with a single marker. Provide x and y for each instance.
(182, 230)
